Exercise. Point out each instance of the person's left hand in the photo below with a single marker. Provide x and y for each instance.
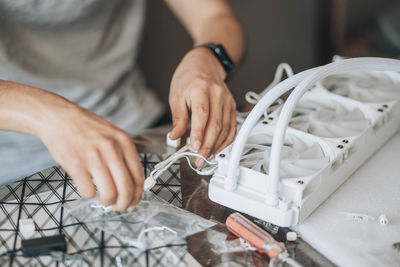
(198, 85)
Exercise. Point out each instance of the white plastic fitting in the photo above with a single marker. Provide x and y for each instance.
(173, 143)
(383, 220)
(27, 227)
(291, 236)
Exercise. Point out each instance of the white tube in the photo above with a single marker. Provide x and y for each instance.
(338, 67)
(250, 122)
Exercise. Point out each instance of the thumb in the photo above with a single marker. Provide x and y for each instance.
(180, 118)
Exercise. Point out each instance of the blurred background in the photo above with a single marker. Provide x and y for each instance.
(303, 33)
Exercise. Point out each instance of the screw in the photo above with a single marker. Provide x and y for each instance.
(265, 122)
(300, 182)
(270, 118)
(380, 110)
(345, 141)
(385, 106)
(222, 155)
(340, 146)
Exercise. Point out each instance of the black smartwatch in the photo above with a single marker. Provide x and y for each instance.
(222, 56)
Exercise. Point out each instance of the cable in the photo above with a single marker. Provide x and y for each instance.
(282, 68)
(161, 167)
(337, 67)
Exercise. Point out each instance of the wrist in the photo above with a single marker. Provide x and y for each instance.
(222, 56)
(212, 63)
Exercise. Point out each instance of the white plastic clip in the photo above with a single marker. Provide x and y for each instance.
(173, 143)
(291, 236)
(27, 227)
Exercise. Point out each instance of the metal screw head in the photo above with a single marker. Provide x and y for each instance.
(340, 146)
(222, 155)
(300, 182)
(265, 122)
(345, 141)
(380, 110)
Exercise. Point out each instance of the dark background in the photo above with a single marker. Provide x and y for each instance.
(302, 33)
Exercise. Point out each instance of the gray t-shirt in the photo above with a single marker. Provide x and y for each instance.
(83, 50)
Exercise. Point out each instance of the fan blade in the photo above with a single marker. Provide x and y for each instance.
(354, 115)
(313, 152)
(292, 170)
(302, 126)
(339, 109)
(320, 130)
(300, 118)
(312, 164)
(261, 139)
(337, 131)
(297, 144)
(341, 90)
(353, 125)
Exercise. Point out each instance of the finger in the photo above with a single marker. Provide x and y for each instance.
(226, 123)
(84, 183)
(200, 111)
(135, 168)
(107, 192)
(232, 131)
(122, 178)
(213, 129)
(180, 118)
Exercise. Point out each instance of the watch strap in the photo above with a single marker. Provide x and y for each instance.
(222, 56)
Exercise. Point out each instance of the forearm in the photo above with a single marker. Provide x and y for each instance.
(26, 109)
(211, 21)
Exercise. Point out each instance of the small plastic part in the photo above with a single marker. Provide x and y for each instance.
(43, 246)
(284, 204)
(357, 217)
(27, 227)
(173, 143)
(291, 236)
(149, 183)
(383, 220)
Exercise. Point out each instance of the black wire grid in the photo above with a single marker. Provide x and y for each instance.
(41, 197)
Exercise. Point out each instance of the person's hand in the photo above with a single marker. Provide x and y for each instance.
(96, 154)
(198, 85)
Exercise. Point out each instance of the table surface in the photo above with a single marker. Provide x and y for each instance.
(42, 195)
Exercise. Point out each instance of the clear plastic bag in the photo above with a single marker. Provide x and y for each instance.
(153, 223)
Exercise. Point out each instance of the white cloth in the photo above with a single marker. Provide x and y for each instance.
(372, 190)
(84, 51)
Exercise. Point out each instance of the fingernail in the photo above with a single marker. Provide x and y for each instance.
(200, 163)
(196, 145)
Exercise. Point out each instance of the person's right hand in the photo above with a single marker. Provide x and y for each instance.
(96, 154)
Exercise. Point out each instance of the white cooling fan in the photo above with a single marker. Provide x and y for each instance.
(298, 158)
(282, 171)
(330, 121)
(370, 87)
